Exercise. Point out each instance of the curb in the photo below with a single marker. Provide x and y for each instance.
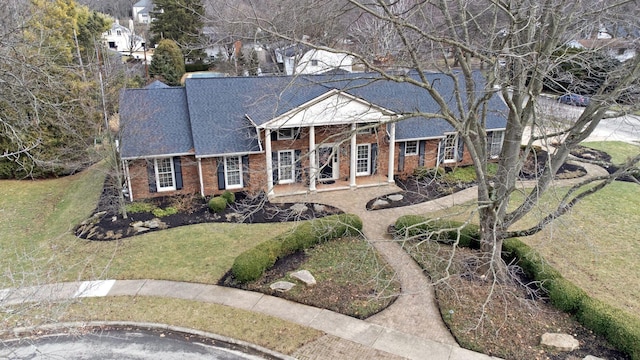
(226, 342)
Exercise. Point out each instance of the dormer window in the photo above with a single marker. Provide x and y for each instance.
(285, 134)
(314, 62)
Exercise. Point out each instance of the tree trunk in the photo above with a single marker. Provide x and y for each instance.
(491, 265)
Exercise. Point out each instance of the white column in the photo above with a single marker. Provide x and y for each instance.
(267, 149)
(200, 177)
(125, 168)
(352, 172)
(392, 151)
(313, 170)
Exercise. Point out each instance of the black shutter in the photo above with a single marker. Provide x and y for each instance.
(401, 156)
(298, 166)
(177, 169)
(274, 135)
(274, 165)
(374, 158)
(245, 170)
(151, 175)
(460, 149)
(421, 146)
(220, 172)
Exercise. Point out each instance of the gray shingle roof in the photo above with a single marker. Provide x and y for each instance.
(219, 111)
(154, 122)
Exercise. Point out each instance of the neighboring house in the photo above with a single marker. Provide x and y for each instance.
(141, 11)
(619, 49)
(121, 39)
(322, 61)
(297, 59)
(286, 135)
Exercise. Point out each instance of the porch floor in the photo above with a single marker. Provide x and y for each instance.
(335, 185)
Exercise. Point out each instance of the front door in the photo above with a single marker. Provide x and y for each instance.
(328, 162)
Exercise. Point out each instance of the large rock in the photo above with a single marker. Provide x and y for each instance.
(395, 197)
(591, 357)
(380, 203)
(282, 286)
(298, 209)
(560, 342)
(304, 276)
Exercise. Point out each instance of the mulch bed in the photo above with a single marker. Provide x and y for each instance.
(107, 224)
(416, 191)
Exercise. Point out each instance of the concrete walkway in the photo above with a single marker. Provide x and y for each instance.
(410, 328)
(350, 335)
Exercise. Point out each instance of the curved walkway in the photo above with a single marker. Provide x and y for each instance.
(355, 336)
(410, 328)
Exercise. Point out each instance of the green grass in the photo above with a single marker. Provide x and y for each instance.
(272, 333)
(37, 244)
(619, 151)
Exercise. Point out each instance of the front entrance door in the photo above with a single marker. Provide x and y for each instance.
(328, 162)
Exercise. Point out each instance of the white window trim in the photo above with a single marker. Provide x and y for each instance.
(281, 167)
(493, 134)
(173, 176)
(406, 148)
(226, 173)
(455, 149)
(282, 137)
(364, 129)
(368, 172)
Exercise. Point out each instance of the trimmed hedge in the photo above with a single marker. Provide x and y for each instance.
(415, 225)
(217, 204)
(620, 329)
(251, 264)
(229, 196)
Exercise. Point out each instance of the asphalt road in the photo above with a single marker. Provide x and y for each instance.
(124, 345)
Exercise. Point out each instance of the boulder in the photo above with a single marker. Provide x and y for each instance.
(380, 203)
(140, 229)
(282, 286)
(591, 357)
(395, 197)
(153, 223)
(298, 208)
(560, 342)
(319, 208)
(304, 276)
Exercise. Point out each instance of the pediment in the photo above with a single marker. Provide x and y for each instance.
(333, 108)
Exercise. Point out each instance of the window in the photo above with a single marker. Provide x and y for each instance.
(494, 143)
(450, 148)
(165, 177)
(118, 32)
(314, 62)
(233, 172)
(285, 134)
(286, 167)
(363, 160)
(411, 148)
(365, 128)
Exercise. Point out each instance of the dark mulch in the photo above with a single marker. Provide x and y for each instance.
(107, 224)
(603, 159)
(416, 191)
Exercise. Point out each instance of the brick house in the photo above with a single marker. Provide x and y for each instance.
(286, 135)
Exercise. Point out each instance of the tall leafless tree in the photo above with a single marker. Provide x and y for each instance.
(519, 44)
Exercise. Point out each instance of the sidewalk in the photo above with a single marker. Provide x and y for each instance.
(355, 336)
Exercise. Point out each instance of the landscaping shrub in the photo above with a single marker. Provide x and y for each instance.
(139, 207)
(622, 330)
(251, 264)
(228, 196)
(217, 204)
(414, 225)
(158, 212)
(422, 173)
(565, 295)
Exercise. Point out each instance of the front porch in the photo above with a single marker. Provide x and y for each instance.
(335, 185)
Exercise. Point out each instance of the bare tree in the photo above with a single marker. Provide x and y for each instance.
(520, 43)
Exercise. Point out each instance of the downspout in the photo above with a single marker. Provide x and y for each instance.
(200, 177)
(125, 167)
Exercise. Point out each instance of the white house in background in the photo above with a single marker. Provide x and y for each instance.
(121, 39)
(296, 59)
(141, 11)
(322, 61)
